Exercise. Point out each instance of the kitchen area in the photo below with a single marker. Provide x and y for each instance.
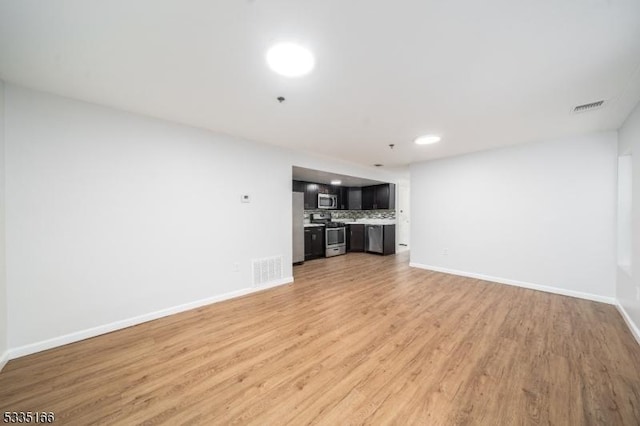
(335, 214)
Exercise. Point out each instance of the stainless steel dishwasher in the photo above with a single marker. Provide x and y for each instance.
(373, 241)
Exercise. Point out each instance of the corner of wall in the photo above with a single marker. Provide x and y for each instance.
(4, 354)
(628, 282)
(633, 328)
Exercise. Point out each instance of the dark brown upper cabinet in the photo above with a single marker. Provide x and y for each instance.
(379, 197)
(375, 197)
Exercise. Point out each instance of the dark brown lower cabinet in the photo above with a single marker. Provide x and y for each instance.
(313, 242)
(355, 238)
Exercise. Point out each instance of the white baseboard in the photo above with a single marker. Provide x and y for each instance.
(539, 287)
(4, 358)
(118, 325)
(632, 326)
(274, 283)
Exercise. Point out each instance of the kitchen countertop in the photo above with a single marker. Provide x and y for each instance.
(369, 222)
(357, 222)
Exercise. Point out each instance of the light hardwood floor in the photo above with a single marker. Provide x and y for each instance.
(357, 339)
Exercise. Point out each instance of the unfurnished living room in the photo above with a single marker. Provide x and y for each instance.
(278, 212)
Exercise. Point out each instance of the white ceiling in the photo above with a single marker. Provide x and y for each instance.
(482, 74)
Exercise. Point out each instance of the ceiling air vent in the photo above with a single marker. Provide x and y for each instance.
(588, 107)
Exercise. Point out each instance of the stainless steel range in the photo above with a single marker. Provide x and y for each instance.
(335, 234)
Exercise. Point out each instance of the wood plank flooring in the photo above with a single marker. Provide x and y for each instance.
(357, 339)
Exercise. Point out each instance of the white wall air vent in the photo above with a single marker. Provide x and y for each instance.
(588, 107)
(267, 270)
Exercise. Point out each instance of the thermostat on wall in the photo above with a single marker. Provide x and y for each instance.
(245, 198)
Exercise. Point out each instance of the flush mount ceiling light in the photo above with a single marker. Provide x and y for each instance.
(427, 140)
(336, 182)
(290, 60)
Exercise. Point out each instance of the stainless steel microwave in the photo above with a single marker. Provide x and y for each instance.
(327, 201)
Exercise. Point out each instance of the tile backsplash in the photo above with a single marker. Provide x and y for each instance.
(356, 214)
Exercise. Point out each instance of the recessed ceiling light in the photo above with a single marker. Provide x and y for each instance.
(290, 60)
(427, 139)
(336, 182)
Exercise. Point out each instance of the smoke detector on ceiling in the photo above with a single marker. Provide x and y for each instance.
(588, 107)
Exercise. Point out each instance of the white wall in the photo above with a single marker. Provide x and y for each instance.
(628, 284)
(541, 215)
(3, 282)
(112, 217)
(625, 218)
